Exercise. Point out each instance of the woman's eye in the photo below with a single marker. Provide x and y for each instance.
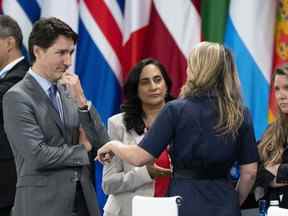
(157, 79)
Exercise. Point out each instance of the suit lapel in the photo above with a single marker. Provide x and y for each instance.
(65, 104)
(69, 110)
(38, 94)
(18, 71)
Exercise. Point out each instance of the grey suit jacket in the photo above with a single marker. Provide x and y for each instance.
(121, 180)
(49, 159)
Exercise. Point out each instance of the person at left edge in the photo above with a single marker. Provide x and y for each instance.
(42, 122)
(13, 67)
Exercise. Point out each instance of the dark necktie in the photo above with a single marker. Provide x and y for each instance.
(53, 97)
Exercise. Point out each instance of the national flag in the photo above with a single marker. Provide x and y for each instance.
(214, 15)
(25, 12)
(98, 61)
(281, 49)
(70, 15)
(249, 34)
(151, 31)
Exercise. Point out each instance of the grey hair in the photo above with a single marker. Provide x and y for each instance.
(10, 28)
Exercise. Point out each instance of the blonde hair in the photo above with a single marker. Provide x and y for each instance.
(210, 67)
(272, 144)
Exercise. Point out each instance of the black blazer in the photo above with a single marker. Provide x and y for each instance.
(264, 178)
(12, 77)
(7, 166)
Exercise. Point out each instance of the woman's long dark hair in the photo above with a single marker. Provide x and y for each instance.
(132, 107)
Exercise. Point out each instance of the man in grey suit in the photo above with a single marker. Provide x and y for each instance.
(45, 116)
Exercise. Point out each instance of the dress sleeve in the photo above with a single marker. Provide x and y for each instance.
(160, 134)
(248, 152)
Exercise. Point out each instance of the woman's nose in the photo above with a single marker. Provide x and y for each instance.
(153, 85)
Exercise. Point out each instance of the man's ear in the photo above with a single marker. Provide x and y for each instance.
(10, 43)
(38, 51)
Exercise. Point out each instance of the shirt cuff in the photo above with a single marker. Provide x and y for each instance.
(85, 108)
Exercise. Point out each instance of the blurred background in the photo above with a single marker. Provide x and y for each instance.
(115, 34)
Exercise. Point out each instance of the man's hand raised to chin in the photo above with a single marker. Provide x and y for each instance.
(72, 83)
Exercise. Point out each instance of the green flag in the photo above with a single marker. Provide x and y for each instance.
(213, 15)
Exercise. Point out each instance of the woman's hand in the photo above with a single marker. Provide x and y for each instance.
(156, 171)
(106, 152)
(133, 154)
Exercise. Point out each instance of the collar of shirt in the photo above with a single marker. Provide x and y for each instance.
(44, 83)
(9, 66)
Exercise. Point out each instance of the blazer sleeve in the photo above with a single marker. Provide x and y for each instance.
(95, 130)
(115, 179)
(27, 139)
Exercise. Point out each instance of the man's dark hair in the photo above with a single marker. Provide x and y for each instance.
(45, 32)
(10, 28)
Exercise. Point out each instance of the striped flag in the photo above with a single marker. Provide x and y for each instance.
(281, 49)
(163, 29)
(98, 54)
(249, 34)
(214, 14)
(98, 61)
(54, 8)
(25, 12)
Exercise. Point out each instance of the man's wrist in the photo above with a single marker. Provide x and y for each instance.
(83, 104)
(84, 107)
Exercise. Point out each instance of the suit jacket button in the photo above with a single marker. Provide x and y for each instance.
(74, 179)
(77, 162)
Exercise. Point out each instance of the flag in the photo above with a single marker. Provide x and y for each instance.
(98, 54)
(98, 62)
(214, 15)
(25, 12)
(281, 50)
(249, 34)
(150, 30)
(54, 8)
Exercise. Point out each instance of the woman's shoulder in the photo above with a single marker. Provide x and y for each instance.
(179, 102)
(175, 108)
(116, 118)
